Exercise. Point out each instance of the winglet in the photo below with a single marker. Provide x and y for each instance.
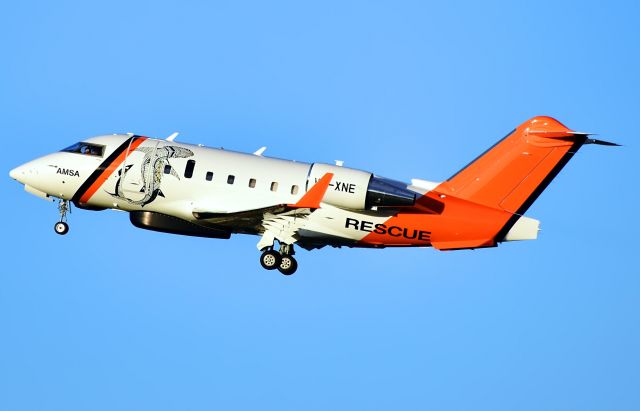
(314, 196)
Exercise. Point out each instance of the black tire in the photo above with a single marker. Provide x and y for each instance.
(288, 265)
(61, 228)
(270, 260)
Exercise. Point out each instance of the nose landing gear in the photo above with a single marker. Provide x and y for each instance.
(282, 260)
(61, 227)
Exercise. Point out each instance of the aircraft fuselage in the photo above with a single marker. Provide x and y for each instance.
(195, 190)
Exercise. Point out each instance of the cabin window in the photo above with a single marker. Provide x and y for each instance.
(87, 149)
(209, 176)
(231, 179)
(188, 171)
(274, 186)
(167, 169)
(294, 189)
(252, 183)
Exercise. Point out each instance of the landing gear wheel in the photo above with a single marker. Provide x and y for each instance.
(270, 260)
(288, 265)
(61, 228)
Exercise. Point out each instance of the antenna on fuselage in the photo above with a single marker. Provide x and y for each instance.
(172, 136)
(259, 151)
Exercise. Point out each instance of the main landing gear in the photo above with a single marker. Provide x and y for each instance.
(282, 260)
(61, 227)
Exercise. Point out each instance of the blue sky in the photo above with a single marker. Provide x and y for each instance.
(112, 317)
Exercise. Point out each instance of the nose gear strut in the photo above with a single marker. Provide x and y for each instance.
(61, 227)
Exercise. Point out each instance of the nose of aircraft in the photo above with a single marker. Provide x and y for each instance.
(18, 173)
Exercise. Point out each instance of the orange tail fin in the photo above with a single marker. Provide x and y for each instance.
(512, 174)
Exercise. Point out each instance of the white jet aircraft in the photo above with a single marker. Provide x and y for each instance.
(200, 191)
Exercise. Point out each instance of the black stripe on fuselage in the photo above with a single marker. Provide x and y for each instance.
(103, 166)
(541, 187)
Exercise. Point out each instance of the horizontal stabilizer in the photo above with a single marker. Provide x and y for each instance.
(560, 133)
(556, 132)
(601, 142)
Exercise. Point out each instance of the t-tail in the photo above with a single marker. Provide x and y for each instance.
(513, 173)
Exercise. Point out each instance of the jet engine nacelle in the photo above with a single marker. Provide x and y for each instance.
(360, 190)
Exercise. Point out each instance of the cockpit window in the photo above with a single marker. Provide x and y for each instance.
(87, 149)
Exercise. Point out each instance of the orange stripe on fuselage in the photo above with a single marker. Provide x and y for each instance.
(461, 224)
(109, 170)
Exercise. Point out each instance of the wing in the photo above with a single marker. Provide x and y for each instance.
(242, 217)
(279, 221)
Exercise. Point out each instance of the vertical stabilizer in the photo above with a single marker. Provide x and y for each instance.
(513, 173)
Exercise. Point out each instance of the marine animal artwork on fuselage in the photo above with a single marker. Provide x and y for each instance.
(152, 169)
